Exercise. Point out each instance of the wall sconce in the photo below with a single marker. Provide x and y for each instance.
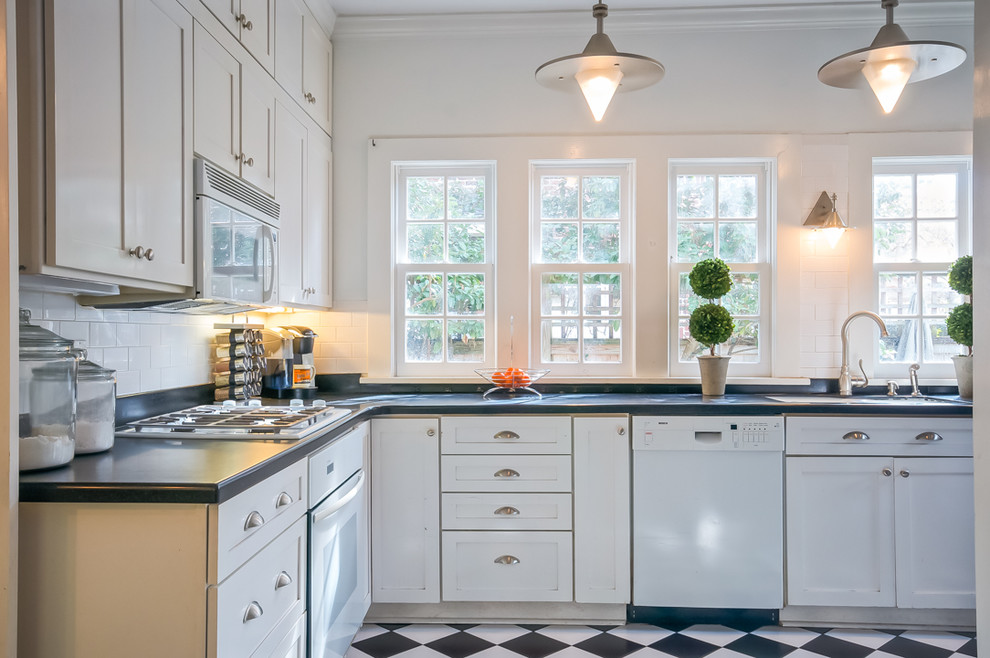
(600, 70)
(825, 219)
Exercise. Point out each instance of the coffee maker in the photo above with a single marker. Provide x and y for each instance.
(304, 366)
(279, 361)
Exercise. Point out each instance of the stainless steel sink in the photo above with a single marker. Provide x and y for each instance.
(862, 399)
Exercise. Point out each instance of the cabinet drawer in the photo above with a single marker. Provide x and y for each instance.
(507, 566)
(254, 517)
(257, 597)
(887, 436)
(506, 511)
(480, 435)
(494, 473)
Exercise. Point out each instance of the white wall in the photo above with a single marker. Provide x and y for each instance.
(474, 76)
(981, 271)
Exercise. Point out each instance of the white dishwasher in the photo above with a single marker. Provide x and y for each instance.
(708, 511)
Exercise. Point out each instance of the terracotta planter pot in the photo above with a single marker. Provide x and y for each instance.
(964, 375)
(713, 373)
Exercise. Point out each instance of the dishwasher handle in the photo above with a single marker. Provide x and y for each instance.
(346, 498)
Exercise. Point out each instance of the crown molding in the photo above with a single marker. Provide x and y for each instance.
(954, 13)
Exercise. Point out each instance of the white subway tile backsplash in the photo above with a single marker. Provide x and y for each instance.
(103, 334)
(352, 334)
(78, 331)
(128, 335)
(58, 307)
(128, 382)
(151, 380)
(138, 358)
(161, 356)
(151, 335)
(114, 358)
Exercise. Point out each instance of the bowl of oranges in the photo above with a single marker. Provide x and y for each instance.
(511, 379)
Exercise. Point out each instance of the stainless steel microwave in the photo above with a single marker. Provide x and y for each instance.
(236, 239)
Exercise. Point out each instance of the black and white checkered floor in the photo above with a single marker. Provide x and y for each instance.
(643, 641)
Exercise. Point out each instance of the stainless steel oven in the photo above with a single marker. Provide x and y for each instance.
(339, 564)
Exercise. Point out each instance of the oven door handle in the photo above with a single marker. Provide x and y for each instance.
(348, 497)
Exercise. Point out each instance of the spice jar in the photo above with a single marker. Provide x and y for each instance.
(47, 412)
(95, 407)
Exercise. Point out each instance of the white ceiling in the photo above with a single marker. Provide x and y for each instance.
(417, 7)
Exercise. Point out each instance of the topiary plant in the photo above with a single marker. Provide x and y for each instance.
(711, 324)
(959, 323)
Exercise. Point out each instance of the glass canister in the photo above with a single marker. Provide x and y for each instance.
(47, 411)
(96, 405)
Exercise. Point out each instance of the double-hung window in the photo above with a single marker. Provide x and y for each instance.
(444, 217)
(580, 266)
(723, 209)
(921, 224)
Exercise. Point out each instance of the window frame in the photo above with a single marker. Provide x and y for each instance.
(915, 166)
(625, 169)
(402, 267)
(766, 171)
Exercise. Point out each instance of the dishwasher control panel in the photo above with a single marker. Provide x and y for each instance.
(764, 433)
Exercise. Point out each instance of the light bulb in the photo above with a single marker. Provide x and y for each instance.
(832, 235)
(598, 87)
(887, 78)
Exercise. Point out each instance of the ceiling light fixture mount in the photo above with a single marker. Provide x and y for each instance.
(891, 62)
(825, 218)
(600, 70)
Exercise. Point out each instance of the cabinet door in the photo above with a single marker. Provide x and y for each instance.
(258, 31)
(84, 162)
(257, 130)
(290, 186)
(840, 531)
(157, 63)
(405, 510)
(933, 499)
(290, 34)
(601, 510)
(227, 12)
(317, 72)
(217, 97)
(317, 234)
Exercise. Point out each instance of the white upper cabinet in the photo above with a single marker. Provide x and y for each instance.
(252, 22)
(157, 139)
(303, 163)
(114, 190)
(304, 60)
(234, 114)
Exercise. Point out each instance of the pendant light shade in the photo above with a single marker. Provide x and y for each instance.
(891, 62)
(600, 70)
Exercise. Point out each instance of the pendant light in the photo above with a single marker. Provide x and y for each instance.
(599, 71)
(891, 62)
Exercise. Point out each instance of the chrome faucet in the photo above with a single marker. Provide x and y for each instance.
(846, 381)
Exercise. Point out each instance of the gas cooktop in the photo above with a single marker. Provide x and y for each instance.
(238, 421)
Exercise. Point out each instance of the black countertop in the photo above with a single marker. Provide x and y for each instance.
(142, 470)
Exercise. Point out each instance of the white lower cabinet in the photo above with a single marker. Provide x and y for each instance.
(880, 531)
(507, 566)
(500, 509)
(405, 510)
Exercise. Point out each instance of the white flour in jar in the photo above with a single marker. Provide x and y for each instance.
(51, 446)
(93, 436)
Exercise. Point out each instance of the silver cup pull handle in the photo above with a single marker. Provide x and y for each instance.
(507, 473)
(928, 436)
(507, 511)
(253, 520)
(253, 611)
(505, 434)
(856, 435)
(283, 500)
(506, 559)
(282, 580)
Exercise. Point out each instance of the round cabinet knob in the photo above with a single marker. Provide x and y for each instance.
(137, 252)
(244, 159)
(887, 472)
(431, 432)
(622, 431)
(150, 254)
(905, 473)
(245, 23)
(310, 98)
